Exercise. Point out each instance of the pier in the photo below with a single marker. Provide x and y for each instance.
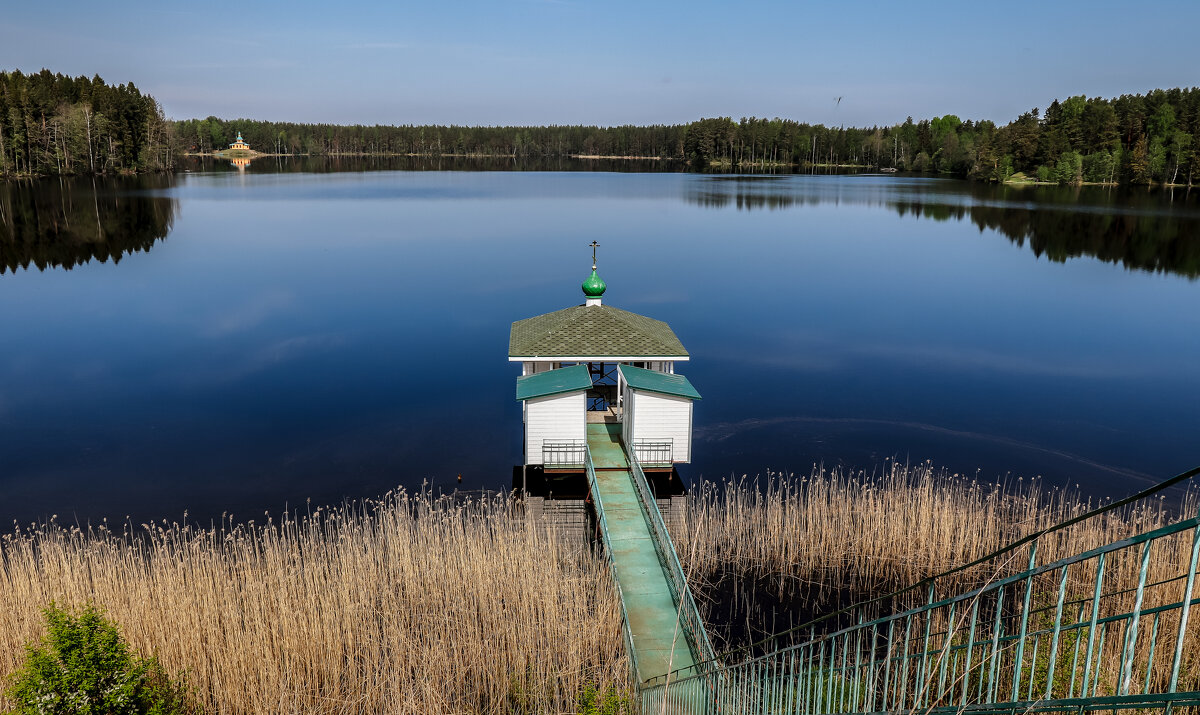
(658, 639)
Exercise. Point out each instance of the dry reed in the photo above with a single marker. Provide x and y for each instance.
(833, 537)
(407, 604)
(838, 530)
(411, 604)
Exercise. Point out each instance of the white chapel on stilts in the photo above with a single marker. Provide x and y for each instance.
(595, 364)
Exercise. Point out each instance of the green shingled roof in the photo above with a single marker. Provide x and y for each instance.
(595, 331)
(553, 382)
(654, 381)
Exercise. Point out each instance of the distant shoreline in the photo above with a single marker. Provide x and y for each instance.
(1018, 179)
(232, 154)
(617, 156)
(225, 154)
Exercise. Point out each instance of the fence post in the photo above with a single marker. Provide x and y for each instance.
(1016, 687)
(1183, 615)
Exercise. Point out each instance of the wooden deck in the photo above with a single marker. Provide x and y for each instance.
(609, 416)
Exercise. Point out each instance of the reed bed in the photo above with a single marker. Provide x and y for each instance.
(837, 530)
(416, 604)
(405, 604)
(765, 555)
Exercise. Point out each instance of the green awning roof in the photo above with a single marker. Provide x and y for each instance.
(662, 382)
(595, 331)
(553, 382)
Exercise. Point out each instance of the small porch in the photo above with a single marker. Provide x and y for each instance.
(607, 415)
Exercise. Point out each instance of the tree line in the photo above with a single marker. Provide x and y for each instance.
(1135, 139)
(53, 124)
(214, 134)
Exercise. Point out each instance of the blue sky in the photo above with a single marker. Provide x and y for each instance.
(613, 62)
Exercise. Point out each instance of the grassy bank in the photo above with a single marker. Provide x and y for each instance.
(402, 605)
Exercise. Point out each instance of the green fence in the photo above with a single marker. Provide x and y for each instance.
(1105, 629)
(689, 615)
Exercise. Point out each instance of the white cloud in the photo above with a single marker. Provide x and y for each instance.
(249, 315)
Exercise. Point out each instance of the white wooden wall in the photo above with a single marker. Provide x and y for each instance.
(650, 417)
(557, 418)
(627, 401)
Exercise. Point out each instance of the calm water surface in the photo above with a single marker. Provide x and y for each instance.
(238, 342)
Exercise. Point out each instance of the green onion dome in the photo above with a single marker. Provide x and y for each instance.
(593, 287)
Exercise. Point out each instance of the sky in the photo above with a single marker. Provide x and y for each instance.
(538, 62)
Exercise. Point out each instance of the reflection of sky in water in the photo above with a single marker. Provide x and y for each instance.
(340, 334)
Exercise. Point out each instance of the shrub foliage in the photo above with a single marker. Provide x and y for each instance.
(84, 667)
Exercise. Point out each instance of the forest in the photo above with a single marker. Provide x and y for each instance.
(51, 124)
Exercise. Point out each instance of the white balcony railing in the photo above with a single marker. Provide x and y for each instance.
(564, 454)
(654, 453)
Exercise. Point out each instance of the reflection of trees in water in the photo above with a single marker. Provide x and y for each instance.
(1143, 240)
(752, 192)
(62, 224)
(334, 164)
(1149, 231)
(749, 200)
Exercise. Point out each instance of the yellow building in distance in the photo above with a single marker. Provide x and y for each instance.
(239, 144)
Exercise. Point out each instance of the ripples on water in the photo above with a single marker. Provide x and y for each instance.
(270, 337)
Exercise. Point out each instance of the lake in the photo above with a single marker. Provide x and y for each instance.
(236, 342)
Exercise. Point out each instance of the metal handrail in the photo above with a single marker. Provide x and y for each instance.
(654, 451)
(690, 619)
(563, 453)
(590, 468)
(1012, 546)
(995, 648)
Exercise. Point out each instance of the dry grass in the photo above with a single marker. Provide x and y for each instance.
(411, 604)
(832, 538)
(838, 529)
(404, 605)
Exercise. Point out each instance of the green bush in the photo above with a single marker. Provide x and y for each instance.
(610, 701)
(84, 667)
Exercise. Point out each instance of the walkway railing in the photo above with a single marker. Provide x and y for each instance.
(689, 615)
(1053, 637)
(608, 547)
(564, 454)
(655, 453)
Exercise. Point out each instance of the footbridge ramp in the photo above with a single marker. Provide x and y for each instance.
(663, 630)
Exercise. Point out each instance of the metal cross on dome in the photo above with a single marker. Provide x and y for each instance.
(593, 245)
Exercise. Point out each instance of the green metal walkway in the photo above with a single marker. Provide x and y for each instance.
(660, 642)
